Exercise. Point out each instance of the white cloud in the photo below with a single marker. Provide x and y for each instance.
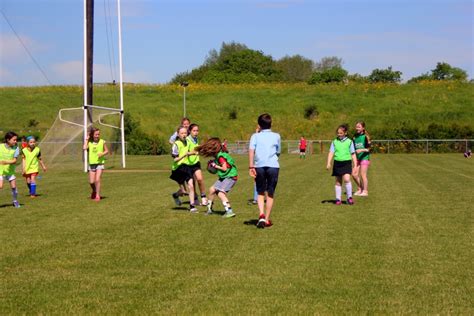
(12, 50)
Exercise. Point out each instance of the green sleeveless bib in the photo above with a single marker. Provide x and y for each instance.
(230, 172)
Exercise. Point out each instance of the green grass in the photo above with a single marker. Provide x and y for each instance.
(406, 249)
(159, 108)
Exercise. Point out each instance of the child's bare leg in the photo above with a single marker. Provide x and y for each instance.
(1, 182)
(98, 175)
(200, 182)
(212, 194)
(14, 192)
(261, 203)
(268, 207)
(356, 176)
(225, 202)
(365, 181)
(92, 181)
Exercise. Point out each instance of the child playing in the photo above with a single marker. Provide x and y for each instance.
(302, 146)
(264, 150)
(343, 151)
(226, 171)
(180, 171)
(9, 153)
(31, 162)
(194, 163)
(362, 147)
(97, 150)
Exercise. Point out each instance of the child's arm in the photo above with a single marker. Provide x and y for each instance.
(222, 165)
(86, 143)
(23, 164)
(105, 152)
(43, 166)
(252, 171)
(330, 157)
(354, 160)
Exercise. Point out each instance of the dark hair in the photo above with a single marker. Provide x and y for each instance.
(191, 127)
(344, 127)
(367, 135)
(10, 135)
(91, 133)
(180, 127)
(210, 148)
(265, 121)
(185, 119)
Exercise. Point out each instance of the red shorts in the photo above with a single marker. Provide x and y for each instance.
(30, 174)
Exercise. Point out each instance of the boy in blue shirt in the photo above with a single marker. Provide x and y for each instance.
(264, 150)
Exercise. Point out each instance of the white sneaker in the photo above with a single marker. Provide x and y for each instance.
(204, 201)
(364, 194)
(358, 193)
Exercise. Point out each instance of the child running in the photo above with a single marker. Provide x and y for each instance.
(97, 150)
(180, 171)
(30, 164)
(226, 171)
(302, 146)
(343, 151)
(9, 153)
(264, 150)
(362, 147)
(194, 163)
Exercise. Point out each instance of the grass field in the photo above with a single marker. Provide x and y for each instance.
(405, 249)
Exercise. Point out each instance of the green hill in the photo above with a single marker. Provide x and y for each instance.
(434, 109)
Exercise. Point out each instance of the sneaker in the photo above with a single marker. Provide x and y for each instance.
(364, 193)
(93, 195)
(33, 196)
(261, 221)
(268, 223)
(228, 214)
(16, 204)
(97, 198)
(350, 201)
(358, 193)
(193, 209)
(338, 202)
(175, 198)
(204, 201)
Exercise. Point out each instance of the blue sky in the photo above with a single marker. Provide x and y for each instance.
(165, 37)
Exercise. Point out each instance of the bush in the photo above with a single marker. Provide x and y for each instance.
(335, 74)
(310, 112)
(385, 75)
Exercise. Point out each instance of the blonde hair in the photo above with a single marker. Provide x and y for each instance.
(367, 135)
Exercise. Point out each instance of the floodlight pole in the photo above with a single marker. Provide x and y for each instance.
(122, 119)
(88, 66)
(184, 84)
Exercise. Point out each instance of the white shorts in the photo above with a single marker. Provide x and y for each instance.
(95, 167)
(8, 178)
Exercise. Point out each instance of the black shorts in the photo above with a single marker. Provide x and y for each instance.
(302, 150)
(341, 168)
(196, 166)
(182, 174)
(266, 180)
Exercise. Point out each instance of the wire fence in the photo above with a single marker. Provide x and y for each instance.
(379, 146)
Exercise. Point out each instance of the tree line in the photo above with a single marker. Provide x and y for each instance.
(236, 63)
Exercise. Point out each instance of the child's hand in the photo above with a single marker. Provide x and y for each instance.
(44, 169)
(252, 172)
(328, 166)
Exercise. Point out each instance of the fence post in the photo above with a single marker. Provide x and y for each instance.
(388, 148)
(427, 144)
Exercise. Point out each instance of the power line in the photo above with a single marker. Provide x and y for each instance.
(26, 48)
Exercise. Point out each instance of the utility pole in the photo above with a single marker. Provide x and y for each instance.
(90, 55)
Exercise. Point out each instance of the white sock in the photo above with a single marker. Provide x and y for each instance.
(349, 189)
(227, 206)
(209, 205)
(338, 192)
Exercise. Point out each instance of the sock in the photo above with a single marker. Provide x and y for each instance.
(203, 195)
(349, 189)
(29, 186)
(33, 188)
(14, 194)
(227, 206)
(209, 206)
(338, 192)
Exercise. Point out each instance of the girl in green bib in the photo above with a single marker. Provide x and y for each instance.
(9, 153)
(194, 163)
(226, 171)
(362, 147)
(31, 163)
(97, 149)
(180, 171)
(343, 152)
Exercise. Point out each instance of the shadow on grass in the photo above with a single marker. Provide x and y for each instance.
(8, 205)
(332, 201)
(251, 222)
